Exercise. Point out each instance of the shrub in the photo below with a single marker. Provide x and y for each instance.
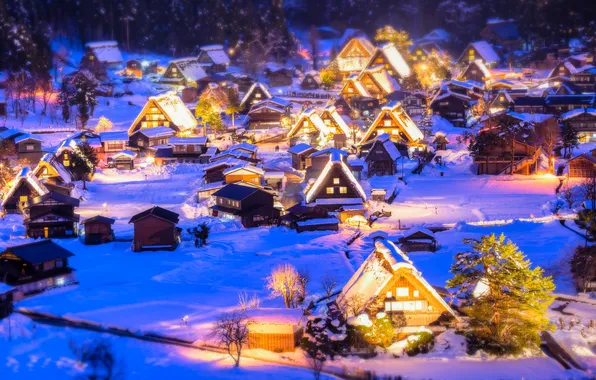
(420, 343)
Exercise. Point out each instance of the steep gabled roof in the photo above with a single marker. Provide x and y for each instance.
(380, 76)
(58, 197)
(25, 176)
(99, 219)
(353, 80)
(338, 119)
(39, 251)
(485, 50)
(173, 109)
(253, 88)
(335, 160)
(311, 115)
(216, 53)
(50, 162)
(105, 51)
(159, 212)
(394, 58)
(347, 64)
(25, 137)
(190, 68)
(578, 111)
(396, 111)
(385, 140)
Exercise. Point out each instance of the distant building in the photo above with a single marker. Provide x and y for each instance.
(280, 77)
(268, 113)
(165, 110)
(98, 230)
(584, 121)
(250, 204)
(51, 215)
(479, 50)
(391, 59)
(106, 52)
(311, 80)
(354, 56)
(256, 93)
(151, 137)
(300, 155)
(475, 71)
(582, 166)
(183, 72)
(213, 58)
(155, 229)
(309, 129)
(502, 33)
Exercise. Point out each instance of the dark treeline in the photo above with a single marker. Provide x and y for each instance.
(177, 27)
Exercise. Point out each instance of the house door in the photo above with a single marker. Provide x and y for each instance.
(46, 232)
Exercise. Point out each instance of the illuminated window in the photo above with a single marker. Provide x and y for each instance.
(23, 199)
(174, 70)
(343, 190)
(402, 292)
(409, 306)
(305, 123)
(350, 90)
(330, 190)
(66, 162)
(387, 123)
(419, 52)
(258, 95)
(389, 295)
(336, 181)
(306, 130)
(395, 131)
(414, 58)
(416, 294)
(327, 122)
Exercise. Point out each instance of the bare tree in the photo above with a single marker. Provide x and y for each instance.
(328, 284)
(568, 196)
(245, 302)
(231, 330)
(316, 361)
(99, 360)
(285, 281)
(583, 265)
(353, 305)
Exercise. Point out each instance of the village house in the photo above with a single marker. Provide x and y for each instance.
(583, 120)
(421, 51)
(529, 104)
(243, 81)
(391, 59)
(503, 101)
(311, 80)
(337, 126)
(418, 239)
(150, 137)
(277, 330)
(336, 186)
(140, 67)
(559, 104)
(353, 88)
(112, 143)
(309, 129)
(106, 52)
(437, 36)
(382, 156)
(413, 103)
(502, 33)
(578, 70)
(155, 229)
(318, 160)
(251, 204)
(475, 71)
(211, 152)
(256, 93)
(378, 82)
(51, 215)
(451, 106)
(165, 110)
(28, 147)
(388, 278)
(497, 159)
(183, 72)
(300, 155)
(188, 149)
(49, 168)
(123, 160)
(281, 77)
(353, 56)
(582, 166)
(34, 267)
(268, 113)
(479, 50)
(25, 187)
(98, 230)
(395, 122)
(213, 58)
(213, 172)
(244, 173)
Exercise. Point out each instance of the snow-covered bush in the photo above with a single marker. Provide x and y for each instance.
(420, 343)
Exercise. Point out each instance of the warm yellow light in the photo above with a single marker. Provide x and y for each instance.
(150, 160)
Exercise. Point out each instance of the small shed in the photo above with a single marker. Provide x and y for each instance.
(273, 329)
(275, 179)
(378, 195)
(418, 239)
(318, 224)
(347, 212)
(98, 230)
(155, 229)
(300, 155)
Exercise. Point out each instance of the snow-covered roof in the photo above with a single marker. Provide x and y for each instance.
(314, 74)
(27, 136)
(299, 148)
(173, 109)
(361, 90)
(485, 50)
(202, 140)
(389, 146)
(229, 162)
(252, 88)
(274, 316)
(317, 222)
(415, 230)
(397, 112)
(126, 153)
(482, 67)
(262, 105)
(329, 151)
(189, 68)
(106, 51)
(25, 176)
(310, 115)
(349, 64)
(243, 146)
(506, 95)
(336, 159)
(10, 133)
(578, 111)
(157, 132)
(244, 166)
(395, 59)
(436, 35)
(338, 119)
(217, 54)
(113, 136)
(49, 160)
(381, 76)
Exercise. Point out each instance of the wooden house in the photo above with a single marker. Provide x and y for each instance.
(529, 104)
(51, 215)
(24, 188)
(559, 104)
(300, 155)
(353, 88)
(318, 161)
(418, 239)
(112, 143)
(497, 159)
(382, 156)
(183, 72)
(213, 58)
(256, 93)
(106, 52)
(65, 155)
(251, 204)
(268, 113)
(29, 147)
(34, 267)
(475, 71)
(503, 101)
(378, 82)
(155, 229)
(584, 121)
(243, 81)
(502, 33)
(353, 56)
(208, 155)
(279, 78)
(50, 168)
(150, 137)
(479, 50)
(452, 106)
(337, 126)
(309, 129)
(311, 80)
(388, 282)
(98, 230)
(336, 186)
(395, 122)
(391, 59)
(413, 103)
(123, 160)
(140, 67)
(165, 110)
(582, 166)
(244, 173)
(213, 172)
(188, 149)
(277, 330)
(250, 150)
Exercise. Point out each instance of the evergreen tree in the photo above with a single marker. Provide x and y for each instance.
(83, 96)
(509, 316)
(233, 104)
(64, 100)
(569, 138)
(400, 38)
(84, 160)
(206, 114)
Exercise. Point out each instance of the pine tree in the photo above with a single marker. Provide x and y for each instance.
(64, 100)
(83, 96)
(509, 317)
(569, 137)
(84, 160)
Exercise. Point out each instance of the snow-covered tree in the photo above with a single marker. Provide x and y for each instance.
(103, 125)
(508, 316)
(400, 38)
(84, 160)
(83, 96)
(569, 138)
(286, 282)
